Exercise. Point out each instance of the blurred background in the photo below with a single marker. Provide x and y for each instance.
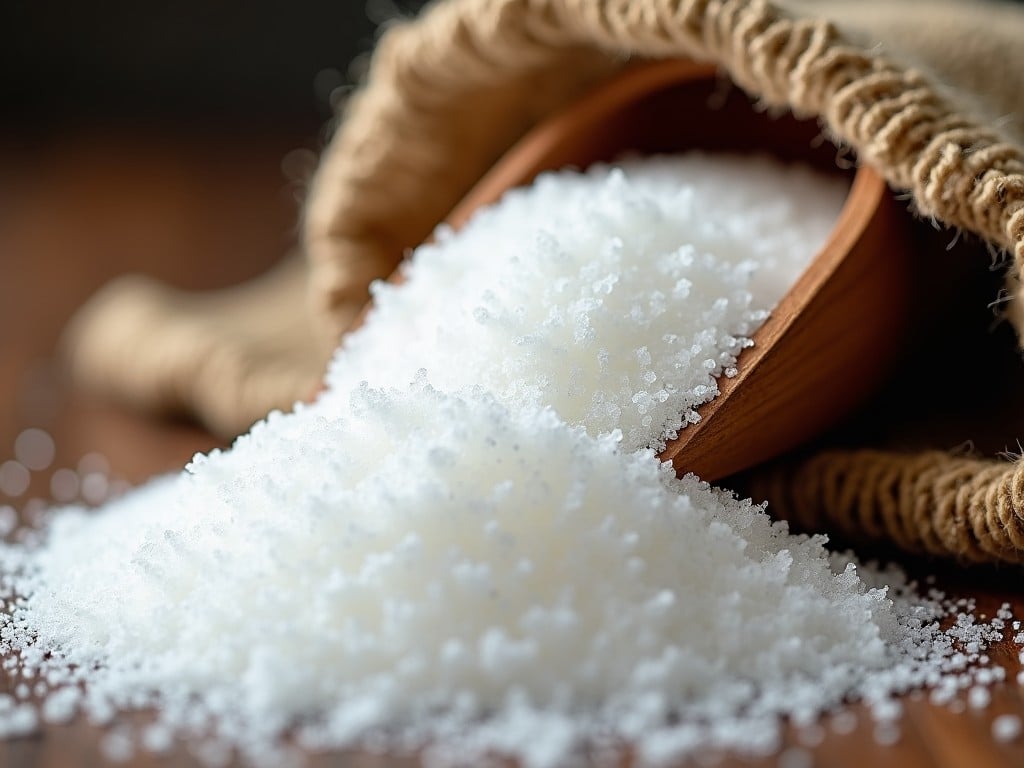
(269, 60)
(170, 139)
(186, 61)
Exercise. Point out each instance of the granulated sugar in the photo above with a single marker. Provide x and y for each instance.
(467, 542)
(614, 300)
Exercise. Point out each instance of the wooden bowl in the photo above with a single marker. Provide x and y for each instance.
(833, 336)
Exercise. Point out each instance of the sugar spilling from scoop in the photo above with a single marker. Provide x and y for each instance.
(467, 540)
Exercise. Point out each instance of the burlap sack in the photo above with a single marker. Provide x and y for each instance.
(926, 91)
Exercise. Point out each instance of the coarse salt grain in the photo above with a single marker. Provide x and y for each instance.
(95, 487)
(117, 746)
(61, 705)
(35, 449)
(64, 485)
(1006, 728)
(157, 738)
(22, 720)
(887, 734)
(8, 520)
(14, 479)
(794, 757)
(467, 541)
(978, 697)
(811, 735)
(843, 722)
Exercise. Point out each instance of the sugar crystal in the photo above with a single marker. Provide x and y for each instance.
(64, 485)
(1006, 728)
(14, 479)
(34, 448)
(978, 697)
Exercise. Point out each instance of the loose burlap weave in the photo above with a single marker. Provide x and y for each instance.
(926, 91)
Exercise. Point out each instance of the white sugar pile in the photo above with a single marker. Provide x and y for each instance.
(614, 297)
(467, 540)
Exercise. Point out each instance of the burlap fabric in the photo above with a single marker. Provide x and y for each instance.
(926, 91)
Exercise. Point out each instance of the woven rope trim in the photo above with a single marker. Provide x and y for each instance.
(931, 502)
(449, 92)
(439, 104)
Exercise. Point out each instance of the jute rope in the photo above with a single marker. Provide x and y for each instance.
(957, 169)
(495, 65)
(449, 92)
(227, 357)
(929, 502)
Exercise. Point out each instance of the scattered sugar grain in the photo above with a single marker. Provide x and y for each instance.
(118, 746)
(21, 720)
(95, 488)
(14, 479)
(887, 734)
(795, 757)
(8, 520)
(843, 722)
(64, 485)
(1006, 728)
(99, 710)
(978, 697)
(35, 449)
(157, 738)
(886, 710)
(810, 735)
(213, 753)
(61, 705)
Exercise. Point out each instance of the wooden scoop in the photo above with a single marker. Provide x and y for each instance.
(835, 333)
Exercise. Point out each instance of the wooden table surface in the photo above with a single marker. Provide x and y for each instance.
(209, 210)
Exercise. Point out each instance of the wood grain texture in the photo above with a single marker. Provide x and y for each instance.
(210, 211)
